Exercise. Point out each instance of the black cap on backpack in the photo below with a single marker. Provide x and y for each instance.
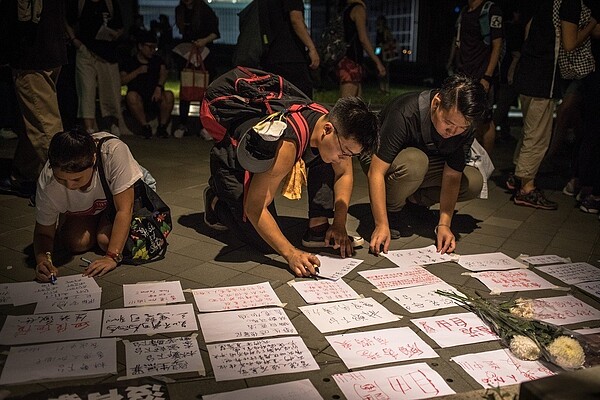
(253, 152)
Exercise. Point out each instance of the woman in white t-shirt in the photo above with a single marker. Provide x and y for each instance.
(71, 204)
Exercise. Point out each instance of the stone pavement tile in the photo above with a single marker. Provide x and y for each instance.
(509, 210)
(209, 274)
(313, 339)
(244, 259)
(476, 248)
(503, 222)
(477, 211)
(450, 272)
(14, 267)
(129, 274)
(279, 272)
(575, 256)
(195, 389)
(584, 233)
(204, 252)
(532, 236)
(481, 239)
(492, 229)
(522, 247)
(17, 239)
(571, 245)
(546, 217)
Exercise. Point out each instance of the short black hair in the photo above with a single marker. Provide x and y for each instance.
(145, 37)
(353, 120)
(467, 95)
(72, 151)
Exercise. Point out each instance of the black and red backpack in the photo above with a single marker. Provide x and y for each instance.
(245, 93)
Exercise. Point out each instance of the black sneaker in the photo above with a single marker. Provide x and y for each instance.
(512, 183)
(161, 131)
(9, 186)
(210, 217)
(535, 199)
(316, 238)
(398, 223)
(147, 131)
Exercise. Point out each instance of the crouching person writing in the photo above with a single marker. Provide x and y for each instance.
(425, 139)
(72, 209)
(244, 203)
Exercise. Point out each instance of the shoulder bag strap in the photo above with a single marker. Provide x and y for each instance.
(102, 174)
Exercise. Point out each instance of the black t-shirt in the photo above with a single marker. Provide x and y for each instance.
(286, 46)
(36, 46)
(536, 70)
(144, 84)
(401, 128)
(474, 54)
(93, 15)
(198, 22)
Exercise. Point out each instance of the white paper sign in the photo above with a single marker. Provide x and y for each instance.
(543, 260)
(564, 310)
(331, 317)
(236, 297)
(38, 328)
(488, 261)
(303, 389)
(163, 356)
(149, 320)
(455, 329)
(383, 346)
(588, 331)
(5, 297)
(515, 280)
(33, 292)
(592, 288)
(245, 324)
(154, 293)
(66, 360)
(324, 291)
(413, 381)
(396, 278)
(70, 302)
(333, 267)
(413, 257)
(572, 273)
(422, 298)
(241, 360)
(500, 368)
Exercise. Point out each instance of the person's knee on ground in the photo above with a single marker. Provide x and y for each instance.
(408, 169)
(471, 184)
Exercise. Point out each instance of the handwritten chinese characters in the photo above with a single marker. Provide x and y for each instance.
(149, 320)
(323, 291)
(5, 294)
(512, 281)
(67, 302)
(413, 381)
(163, 356)
(333, 267)
(60, 360)
(380, 347)
(303, 389)
(37, 328)
(488, 261)
(235, 297)
(413, 257)
(592, 288)
(500, 368)
(70, 285)
(245, 324)
(564, 310)
(572, 273)
(145, 294)
(348, 314)
(422, 298)
(240, 360)
(455, 329)
(395, 278)
(543, 260)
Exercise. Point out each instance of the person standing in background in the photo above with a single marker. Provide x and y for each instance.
(93, 27)
(199, 25)
(35, 42)
(287, 55)
(386, 50)
(350, 69)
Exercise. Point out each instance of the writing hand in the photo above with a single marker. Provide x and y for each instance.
(302, 263)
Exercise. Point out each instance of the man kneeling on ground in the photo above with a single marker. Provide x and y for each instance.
(246, 205)
(145, 75)
(425, 139)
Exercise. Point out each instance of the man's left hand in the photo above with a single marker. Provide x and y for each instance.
(446, 242)
(100, 267)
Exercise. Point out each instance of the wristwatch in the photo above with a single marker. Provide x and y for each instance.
(117, 257)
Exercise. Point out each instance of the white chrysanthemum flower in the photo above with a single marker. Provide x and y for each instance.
(524, 348)
(567, 352)
(523, 308)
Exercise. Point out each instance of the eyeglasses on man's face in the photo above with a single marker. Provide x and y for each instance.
(345, 153)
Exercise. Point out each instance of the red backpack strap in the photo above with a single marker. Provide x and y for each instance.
(300, 125)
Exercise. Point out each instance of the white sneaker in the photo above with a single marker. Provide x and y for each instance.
(180, 132)
(205, 135)
(7, 133)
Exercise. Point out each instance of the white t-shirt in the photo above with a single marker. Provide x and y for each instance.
(52, 198)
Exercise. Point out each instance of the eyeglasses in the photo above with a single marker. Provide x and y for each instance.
(343, 152)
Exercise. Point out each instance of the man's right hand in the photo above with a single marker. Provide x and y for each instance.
(43, 271)
(380, 237)
(303, 264)
(142, 69)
